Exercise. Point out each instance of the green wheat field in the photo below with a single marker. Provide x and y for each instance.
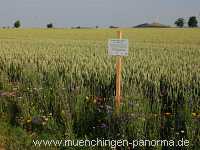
(60, 84)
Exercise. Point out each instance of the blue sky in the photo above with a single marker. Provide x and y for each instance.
(68, 13)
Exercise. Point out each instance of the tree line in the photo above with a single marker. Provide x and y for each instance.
(180, 22)
(192, 22)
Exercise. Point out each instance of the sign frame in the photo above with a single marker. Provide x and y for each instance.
(118, 47)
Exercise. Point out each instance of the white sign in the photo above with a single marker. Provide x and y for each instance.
(118, 47)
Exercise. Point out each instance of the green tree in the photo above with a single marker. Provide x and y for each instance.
(180, 22)
(17, 24)
(193, 22)
(50, 25)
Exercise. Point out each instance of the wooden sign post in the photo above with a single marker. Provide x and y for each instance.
(118, 78)
(118, 47)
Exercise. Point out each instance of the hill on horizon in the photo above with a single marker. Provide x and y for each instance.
(152, 25)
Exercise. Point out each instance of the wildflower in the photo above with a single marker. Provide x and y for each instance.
(103, 125)
(194, 114)
(167, 113)
(8, 94)
(28, 121)
(155, 115)
(109, 107)
(45, 119)
(44, 123)
(177, 133)
(182, 131)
